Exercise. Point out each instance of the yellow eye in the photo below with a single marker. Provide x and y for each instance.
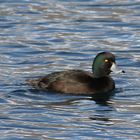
(106, 60)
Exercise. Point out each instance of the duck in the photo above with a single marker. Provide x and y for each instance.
(80, 82)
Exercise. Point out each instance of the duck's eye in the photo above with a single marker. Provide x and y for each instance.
(106, 60)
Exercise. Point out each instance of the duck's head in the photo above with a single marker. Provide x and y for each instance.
(103, 64)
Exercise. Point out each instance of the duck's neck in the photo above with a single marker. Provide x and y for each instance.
(98, 73)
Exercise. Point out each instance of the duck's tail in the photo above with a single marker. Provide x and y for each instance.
(33, 82)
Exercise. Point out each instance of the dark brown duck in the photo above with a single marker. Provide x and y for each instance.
(80, 82)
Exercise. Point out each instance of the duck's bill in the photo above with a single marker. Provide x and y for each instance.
(115, 69)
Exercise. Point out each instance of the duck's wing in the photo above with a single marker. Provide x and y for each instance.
(62, 80)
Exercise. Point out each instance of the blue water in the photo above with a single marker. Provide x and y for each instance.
(41, 36)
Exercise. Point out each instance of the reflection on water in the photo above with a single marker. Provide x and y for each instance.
(38, 37)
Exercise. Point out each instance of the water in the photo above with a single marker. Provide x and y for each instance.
(39, 37)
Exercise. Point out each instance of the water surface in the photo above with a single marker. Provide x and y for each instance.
(39, 37)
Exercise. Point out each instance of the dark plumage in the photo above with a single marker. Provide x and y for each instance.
(80, 82)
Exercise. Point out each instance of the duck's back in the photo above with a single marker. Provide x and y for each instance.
(74, 82)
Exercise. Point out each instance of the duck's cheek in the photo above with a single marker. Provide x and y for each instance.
(108, 71)
(107, 68)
